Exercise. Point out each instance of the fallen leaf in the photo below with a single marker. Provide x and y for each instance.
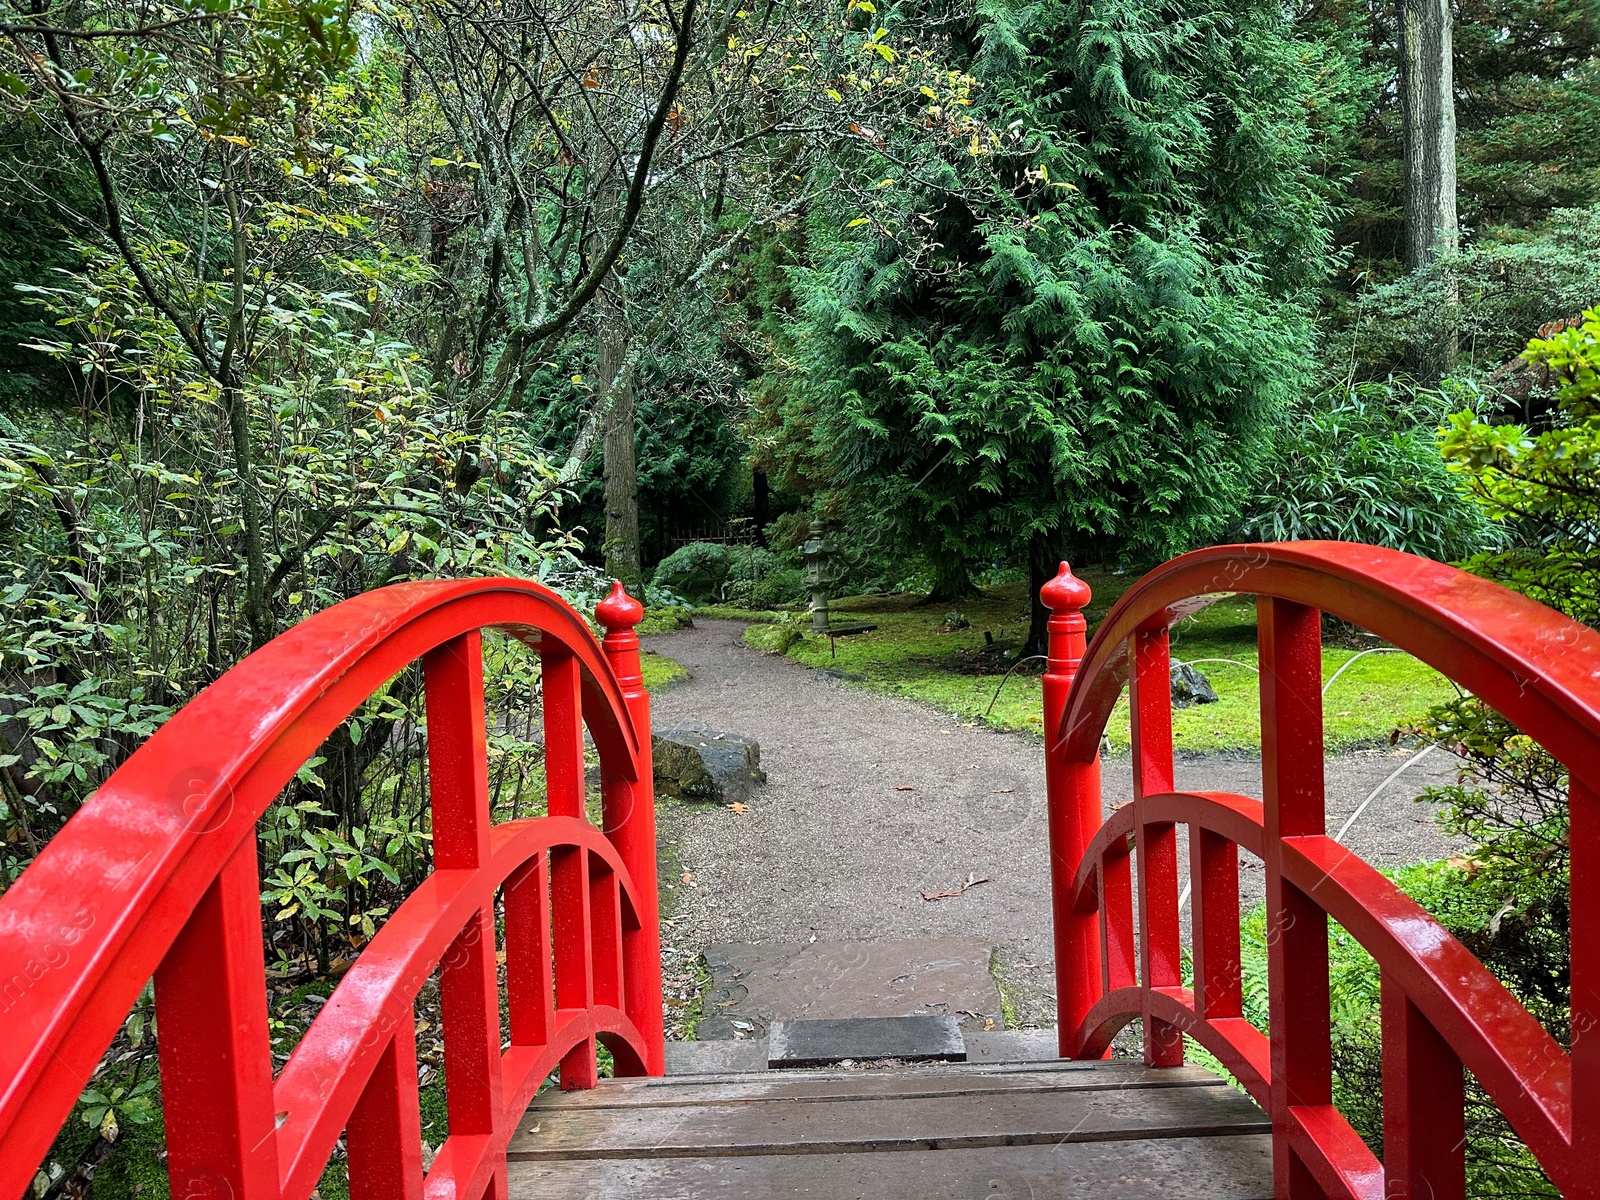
(688, 878)
(534, 1128)
(904, 787)
(741, 809)
(972, 880)
(1002, 791)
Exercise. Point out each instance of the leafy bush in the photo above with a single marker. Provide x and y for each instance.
(1363, 465)
(1542, 484)
(696, 571)
(744, 576)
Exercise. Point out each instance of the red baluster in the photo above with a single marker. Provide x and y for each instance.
(560, 680)
(1160, 959)
(1583, 836)
(216, 1061)
(528, 979)
(1116, 906)
(1297, 929)
(1073, 791)
(469, 995)
(1214, 920)
(630, 823)
(569, 892)
(1424, 1114)
(566, 791)
(605, 913)
(383, 1140)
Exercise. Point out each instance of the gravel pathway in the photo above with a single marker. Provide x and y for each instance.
(874, 799)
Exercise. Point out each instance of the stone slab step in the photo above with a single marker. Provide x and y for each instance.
(1217, 1168)
(716, 1058)
(753, 985)
(821, 1043)
(1012, 1045)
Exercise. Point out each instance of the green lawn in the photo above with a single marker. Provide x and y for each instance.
(909, 655)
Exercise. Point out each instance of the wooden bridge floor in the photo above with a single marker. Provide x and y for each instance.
(946, 1131)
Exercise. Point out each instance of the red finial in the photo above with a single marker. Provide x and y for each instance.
(618, 611)
(1066, 592)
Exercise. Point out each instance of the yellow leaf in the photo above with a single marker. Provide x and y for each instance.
(835, 96)
(928, 92)
(859, 221)
(883, 183)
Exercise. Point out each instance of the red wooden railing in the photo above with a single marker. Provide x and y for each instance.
(157, 876)
(1118, 948)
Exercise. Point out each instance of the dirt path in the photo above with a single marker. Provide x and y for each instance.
(835, 846)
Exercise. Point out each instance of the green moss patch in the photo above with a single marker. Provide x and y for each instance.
(916, 652)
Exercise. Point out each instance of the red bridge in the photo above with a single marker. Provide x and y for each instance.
(157, 877)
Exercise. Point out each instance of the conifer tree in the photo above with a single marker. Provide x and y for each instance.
(1114, 296)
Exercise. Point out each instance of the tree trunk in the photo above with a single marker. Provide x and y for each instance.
(952, 582)
(763, 504)
(1043, 562)
(1428, 117)
(617, 447)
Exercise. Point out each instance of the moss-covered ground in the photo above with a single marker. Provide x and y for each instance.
(913, 652)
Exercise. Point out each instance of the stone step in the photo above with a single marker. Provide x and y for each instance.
(756, 1054)
(753, 985)
(821, 1043)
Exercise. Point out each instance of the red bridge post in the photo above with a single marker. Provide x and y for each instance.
(1073, 790)
(630, 823)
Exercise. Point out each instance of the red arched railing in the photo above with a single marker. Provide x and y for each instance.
(156, 875)
(1441, 1009)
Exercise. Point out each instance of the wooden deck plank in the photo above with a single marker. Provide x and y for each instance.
(1223, 1168)
(862, 1124)
(819, 1085)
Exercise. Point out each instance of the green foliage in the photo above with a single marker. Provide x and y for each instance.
(1113, 305)
(1527, 116)
(742, 576)
(1502, 286)
(1543, 483)
(958, 672)
(1363, 465)
(1572, 356)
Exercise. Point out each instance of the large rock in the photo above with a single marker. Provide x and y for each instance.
(1190, 687)
(692, 763)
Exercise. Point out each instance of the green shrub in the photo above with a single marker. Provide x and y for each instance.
(743, 576)
(1363, 465)
(696, 571)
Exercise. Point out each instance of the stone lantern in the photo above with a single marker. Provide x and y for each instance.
(818, 556)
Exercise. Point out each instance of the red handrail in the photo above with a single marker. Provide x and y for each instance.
(156, 875)
(1441, 1009)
